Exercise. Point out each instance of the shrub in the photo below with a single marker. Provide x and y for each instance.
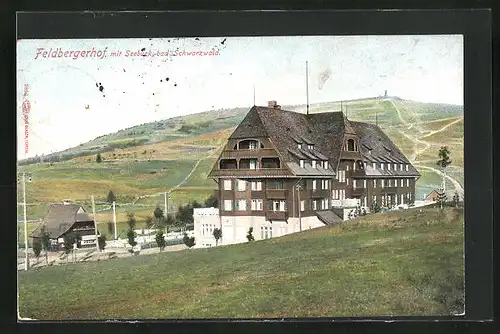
(188, 241)
(101, 240)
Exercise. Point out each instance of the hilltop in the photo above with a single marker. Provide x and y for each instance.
(389, 264)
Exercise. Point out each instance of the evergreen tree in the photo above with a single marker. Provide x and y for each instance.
(217, 235)
(46, 244)
(456, 199)
(443, 162)
(37, 248)
(98, 158)
(111, 197)
(160, 239)
(102, 242)
(188, 241)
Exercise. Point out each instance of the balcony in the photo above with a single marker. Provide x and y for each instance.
(320, 193)
(276, 215)
(358, 192)
(276, 193)
(257, 153)
(250, 173)
(355, 173)
(388, 190)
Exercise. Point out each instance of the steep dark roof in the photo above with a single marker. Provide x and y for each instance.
(326, 132)
(60, 218)
(382, 150)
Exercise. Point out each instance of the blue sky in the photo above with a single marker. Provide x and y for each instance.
(67, 107)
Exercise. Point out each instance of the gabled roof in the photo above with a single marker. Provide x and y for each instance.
(325, 131)
(60, 218)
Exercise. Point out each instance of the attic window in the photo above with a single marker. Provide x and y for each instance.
(301, 163)
(299, 145)
(374, 165)
(311, 147)
(400, 166)
(313, 163)
(388, 166)
(395, 166)
(350, 145)
(325, 164)
(382, 166)
(406, 167)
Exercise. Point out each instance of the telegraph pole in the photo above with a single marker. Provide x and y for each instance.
(27, 261)
(165, 200)
(307, 88)
(114, 218)
(95, 225)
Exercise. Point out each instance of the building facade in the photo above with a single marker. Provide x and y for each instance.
(281, 172)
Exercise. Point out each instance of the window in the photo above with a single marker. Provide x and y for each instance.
(282, 206)
(374, 165)
(302, 205)
(301, 163)
(253, 164)
(407, 182)
(311, 147)
(241, 205)
(325, 164)
(347, 167)
(401, 183)
(382, 166)
(242, 185)
(395, 167)
(266, 232)
(256, 185)
(374, 183)
(335, 194)
(275, 184)
(324, 204)
(347, 179)
(252, 145)
(388, 166)
(354, 184)
(342, 194)
(364, 165)
(299, 145)
(228, 205)
(400, 166)
(228, 184)
(277, 206)
(313, 184)
(257, 205)
(350, 145)
(313, 164)
(402, 199)
(314, 205)
(364, 183)
(382, 183)
(364, 201)
(374, 199)
(406, 166)
(324, 184)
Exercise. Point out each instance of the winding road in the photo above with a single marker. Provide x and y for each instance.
(413, 157)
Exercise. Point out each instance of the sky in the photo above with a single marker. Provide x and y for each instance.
(75, 99)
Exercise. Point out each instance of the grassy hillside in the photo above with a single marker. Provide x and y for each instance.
(177, 154)
(398, 263)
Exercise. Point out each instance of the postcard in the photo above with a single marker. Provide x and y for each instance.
(240, 177)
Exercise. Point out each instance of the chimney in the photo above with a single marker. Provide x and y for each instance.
(273, 105)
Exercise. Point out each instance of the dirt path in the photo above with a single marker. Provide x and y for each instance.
(458, 187)
(443, 128)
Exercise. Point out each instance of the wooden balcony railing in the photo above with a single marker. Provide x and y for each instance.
(320, 193)
(276, 215)
(257, 153)
(276, 193)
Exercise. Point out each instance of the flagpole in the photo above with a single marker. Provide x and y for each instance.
(95, 225)
(114, 218)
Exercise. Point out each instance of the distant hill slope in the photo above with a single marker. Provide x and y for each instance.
(142, 162)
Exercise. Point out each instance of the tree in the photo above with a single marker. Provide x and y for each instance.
(188, 241)
(46, 244)
(131, 221)
(217, 235)
(37, 248)
(111, 228)
(131, 239)
(101, 240)
(149, 222)
(212, 202)
(374, 207)
(441, 198)
(160, 239)
(111, 197)
(68, 242)
(250, 235)
(98, 158)
(443, 162)
(158, 213)
(456, 199)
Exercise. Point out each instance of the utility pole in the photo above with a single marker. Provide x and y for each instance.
(114, 218)
(300, 208)
(165, 202)
(95, 225)
(307, 88)
(27, 260)
(254, 94)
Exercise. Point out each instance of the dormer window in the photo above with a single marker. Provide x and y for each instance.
(350, 145)
(382, 166)
(401, 167)
(388, 166)
(313, 163)
(299, 145)
(252, 145)
(364, 164)
(325, 164)
(406, 167)
(395, 167)
(301, 162)
(311, 147)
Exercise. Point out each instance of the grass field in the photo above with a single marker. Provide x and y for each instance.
(398, 263)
